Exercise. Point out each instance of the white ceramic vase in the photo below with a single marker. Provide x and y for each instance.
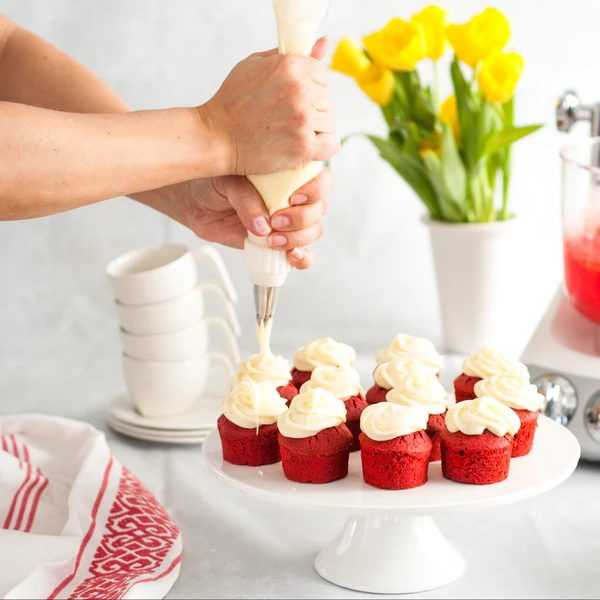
(477, 269)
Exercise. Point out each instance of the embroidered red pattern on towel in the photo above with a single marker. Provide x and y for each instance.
(33, 479)
(138, 536)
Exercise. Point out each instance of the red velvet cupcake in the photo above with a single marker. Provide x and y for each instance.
(288, 392)
(394, 447)
(247, 427)
(408, 346)
(387, 375)
(478, 445)
(486, 362)
(516, 392)
(323, 352)
(423, 389)
(344, 384)
(313, 440)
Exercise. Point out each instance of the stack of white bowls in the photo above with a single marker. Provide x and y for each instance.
(165, 332)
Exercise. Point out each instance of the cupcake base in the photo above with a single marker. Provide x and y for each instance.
(464, 387)
(289, 392)
(300, 377)
(397, 464)
(477, 459)
(436, 426)
(376, 394)
(354, 408)
(243, 446)
(523, 441)
(320, 458)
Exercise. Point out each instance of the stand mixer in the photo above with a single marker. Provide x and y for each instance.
(563, 354)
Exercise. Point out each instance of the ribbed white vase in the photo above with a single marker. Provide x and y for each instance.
(476, 267)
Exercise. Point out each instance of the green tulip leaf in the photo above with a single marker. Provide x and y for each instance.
(508, 136)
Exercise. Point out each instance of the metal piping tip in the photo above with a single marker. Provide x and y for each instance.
(265, 300)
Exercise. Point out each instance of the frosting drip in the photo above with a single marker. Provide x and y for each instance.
(488, 361)
(324, 352)
(385, 421)
(311, 412)
(342, 382)
(251, 404)
(513, 390)
(407, 346)
(473, 417)
(422, 389)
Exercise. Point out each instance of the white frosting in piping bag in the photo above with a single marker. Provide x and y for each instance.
(385, 421)
(342, 382)
(408, 346)
(251, 404)
(388, 375)
(310, 413)
(488, 361)
(324, 352)
(420, 389)
(513, 390)
(473, 417)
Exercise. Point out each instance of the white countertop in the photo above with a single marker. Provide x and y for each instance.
(239, 547)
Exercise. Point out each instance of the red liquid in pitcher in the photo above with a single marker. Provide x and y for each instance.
(582, 270)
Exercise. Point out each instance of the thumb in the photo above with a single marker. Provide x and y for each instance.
(248, 204)
(266, 53)
(320, 48)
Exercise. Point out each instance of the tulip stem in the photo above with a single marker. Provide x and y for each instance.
(436, 86)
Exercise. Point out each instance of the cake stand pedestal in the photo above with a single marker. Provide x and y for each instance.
(391, 543)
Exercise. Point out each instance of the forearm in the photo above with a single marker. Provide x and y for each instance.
(52, 161)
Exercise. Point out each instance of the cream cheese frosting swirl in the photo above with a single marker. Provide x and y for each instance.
(385, 421)
(342, 382)
(324, 352)
(488, 361)
(388, 374)
(251, 404)
(264, 368)
(420, 389)
(473, 417)
(407, 346)
(513, 390)
(310, 413)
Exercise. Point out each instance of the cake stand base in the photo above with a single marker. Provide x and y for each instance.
(390, 555)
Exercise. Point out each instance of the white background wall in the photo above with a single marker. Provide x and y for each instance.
(373, 276)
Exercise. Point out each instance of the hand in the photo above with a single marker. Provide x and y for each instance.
(273, 112)
(223, 209)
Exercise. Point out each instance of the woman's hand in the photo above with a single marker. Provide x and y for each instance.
(274, 113)
(223, 209)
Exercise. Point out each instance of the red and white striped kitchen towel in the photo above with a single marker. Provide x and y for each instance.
(75, 523)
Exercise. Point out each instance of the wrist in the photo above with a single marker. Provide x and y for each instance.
(216, 140)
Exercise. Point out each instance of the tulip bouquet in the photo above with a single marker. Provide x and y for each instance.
(452, 153)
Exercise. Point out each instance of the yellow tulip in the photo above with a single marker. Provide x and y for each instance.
(484, 34)
(449, 115)
(399, 45)
(349, 58)
(433, 21)
(499, 76)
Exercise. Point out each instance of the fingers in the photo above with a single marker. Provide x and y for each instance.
(268, 52)
(326, 146)
(248, 204)
(322, 122)
(296, 239)
(300, 258)
(319, 99)
(316, 189)
(320, 48)
(318, 72)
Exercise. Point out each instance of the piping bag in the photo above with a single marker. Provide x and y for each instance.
(297, 25)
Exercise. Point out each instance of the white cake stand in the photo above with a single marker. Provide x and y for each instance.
(390, 543)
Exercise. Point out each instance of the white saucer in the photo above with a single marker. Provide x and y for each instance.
(150, 435)
(203, 416)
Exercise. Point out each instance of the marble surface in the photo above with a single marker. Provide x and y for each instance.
(239, 547)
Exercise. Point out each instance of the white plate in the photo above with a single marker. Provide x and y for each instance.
(142, 434)
(201, 417)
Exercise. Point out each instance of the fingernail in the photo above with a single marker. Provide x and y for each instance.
(280, 222)
(299, 199)
(277, 240)
(260, 226)
(298, 253)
